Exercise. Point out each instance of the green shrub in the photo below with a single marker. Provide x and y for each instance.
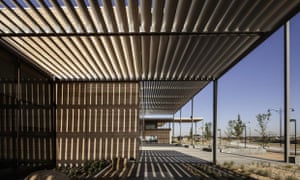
(289, 166)
(291, 178)
(278, 177)
(264, 172)
(251, 170)
(89, 168)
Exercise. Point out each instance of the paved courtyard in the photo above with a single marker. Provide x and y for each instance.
(207, 156)
(170, 162)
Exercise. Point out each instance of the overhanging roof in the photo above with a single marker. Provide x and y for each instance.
(166, 97)
(176, 120)
(158, 40)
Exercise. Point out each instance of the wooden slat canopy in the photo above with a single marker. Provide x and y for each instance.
(162, 43)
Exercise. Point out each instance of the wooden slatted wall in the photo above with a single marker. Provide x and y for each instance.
(36, 137)
(8, 123)
(96, 121)
(27, 133)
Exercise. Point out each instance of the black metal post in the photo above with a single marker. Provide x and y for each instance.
(220, 137)
(215, 120)
(245, 136)
(280, 127)
(173, 129)
(295, 137)
(192, 119)
(180, 139)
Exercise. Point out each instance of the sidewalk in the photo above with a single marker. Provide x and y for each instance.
(221, 157)
(269, 148)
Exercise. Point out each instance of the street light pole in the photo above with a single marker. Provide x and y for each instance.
(280, 127)
(249, 131)
(220, 137)
(280, 122)
(245, 135)
(294, 120)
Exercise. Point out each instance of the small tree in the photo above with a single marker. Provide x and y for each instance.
(229, 130)
(235, 128)
(207, 131)
(238, 127)
(263, 120)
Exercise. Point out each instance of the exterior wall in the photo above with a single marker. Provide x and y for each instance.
(163, 135)
(26, 121)
(37, 132)
(96, 121)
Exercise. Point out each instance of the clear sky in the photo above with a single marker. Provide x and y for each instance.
(253, 86)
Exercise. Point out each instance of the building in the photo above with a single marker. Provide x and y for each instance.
(156, 132)
(77, 75)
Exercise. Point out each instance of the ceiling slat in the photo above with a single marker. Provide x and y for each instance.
(272, 15)
(233, 21)
(84, 12)
(145, 56)
(38, 58)
(181, 48)
(191, 50)
(178, 46)
(145, 11)
(234, 54)
(98, 19)
(157, 14)
(163, 42)
(168, 56)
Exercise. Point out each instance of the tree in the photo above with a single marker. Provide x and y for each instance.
(207, 131)
(235, 128)
(263, 120)
(238, 127)
(229, 131)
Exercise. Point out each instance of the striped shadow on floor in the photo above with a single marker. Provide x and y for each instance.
(168, 165)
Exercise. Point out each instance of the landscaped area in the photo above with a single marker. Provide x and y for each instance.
(265, 170)
(87, 170)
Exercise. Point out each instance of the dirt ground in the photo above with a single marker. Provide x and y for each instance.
(265, 170)
(271, 156)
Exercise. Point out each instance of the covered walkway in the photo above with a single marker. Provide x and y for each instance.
(78, 78)
(169, 164)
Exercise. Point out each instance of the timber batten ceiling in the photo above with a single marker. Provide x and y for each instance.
(145, 40)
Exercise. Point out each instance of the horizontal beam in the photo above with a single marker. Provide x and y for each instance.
(54, 34)
(128, 81)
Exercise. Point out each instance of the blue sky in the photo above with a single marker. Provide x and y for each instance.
(253, 86)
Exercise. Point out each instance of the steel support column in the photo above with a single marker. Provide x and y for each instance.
(180, 139)
(195, 127)
(286, 91)
(53, 118)
(192, 120)
(215, 120)
(173, 130)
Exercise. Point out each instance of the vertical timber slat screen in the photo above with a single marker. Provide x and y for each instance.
(8, 133)
(96, 120)
(26, 121)
(35, 133)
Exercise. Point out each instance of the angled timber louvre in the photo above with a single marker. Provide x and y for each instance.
(146, 40)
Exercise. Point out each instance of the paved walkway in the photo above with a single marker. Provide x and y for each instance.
(207, 156)
(169, 163)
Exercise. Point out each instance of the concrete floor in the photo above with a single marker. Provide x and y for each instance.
(173, 162)
(207, 156)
